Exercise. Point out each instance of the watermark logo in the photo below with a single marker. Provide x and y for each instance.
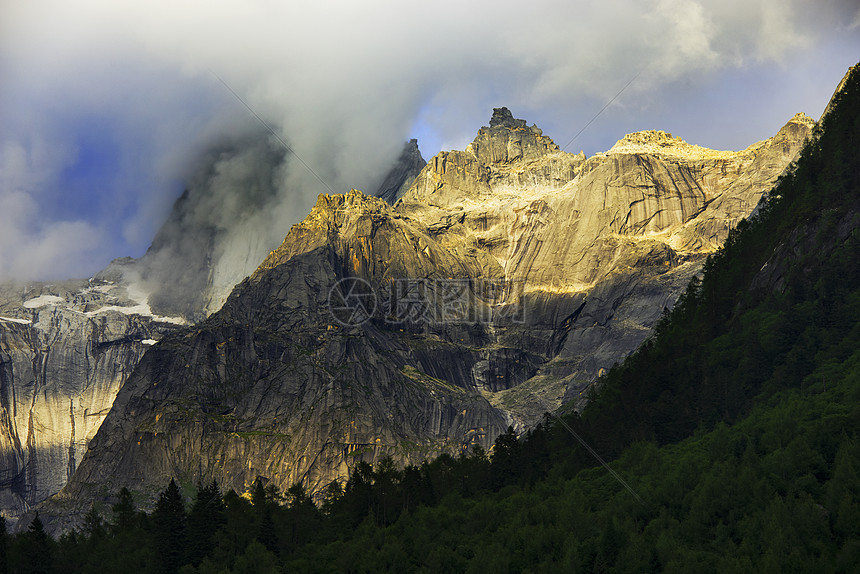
(353, 301)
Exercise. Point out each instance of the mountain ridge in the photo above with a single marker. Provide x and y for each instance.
(504, 223)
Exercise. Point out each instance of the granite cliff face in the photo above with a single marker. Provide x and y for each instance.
(65, 351)
(275, 386)
(601, 246)
(67, 348)
(499, 285)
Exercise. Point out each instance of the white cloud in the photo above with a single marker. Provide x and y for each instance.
(53, 251)
(344, 82)
(33, 248)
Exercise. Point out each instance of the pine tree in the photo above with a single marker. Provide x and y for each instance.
(93, 524)
(333, 493)
(386, 481)
(207, 515)
(266, 535)
(38, 556)
(258, 496)
(168, 520)
(505, 458)
(124, 511)
(4, 559)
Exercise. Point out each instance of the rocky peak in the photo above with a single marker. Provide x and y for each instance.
(508, 140)
(656, 137)
(401, 175)
(801, 118)
(502, 117)
(798, 126)
(664, 144)
(352, 213)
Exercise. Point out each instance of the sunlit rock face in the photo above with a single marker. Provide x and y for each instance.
(65, 351)
(601, 245)
(559, 265)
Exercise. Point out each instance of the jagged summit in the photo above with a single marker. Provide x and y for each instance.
(402, 173)
(505, 157)
(508, 140)
(502, 117)
(664, 143)
(658, 137)
(801, 118)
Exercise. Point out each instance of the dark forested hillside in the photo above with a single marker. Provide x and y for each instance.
(735, 426)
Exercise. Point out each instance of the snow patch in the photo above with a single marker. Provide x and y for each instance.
(14, 320)
(142, 308)
(149, 341)
(43, 300)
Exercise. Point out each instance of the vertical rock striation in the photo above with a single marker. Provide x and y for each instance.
(65, 351)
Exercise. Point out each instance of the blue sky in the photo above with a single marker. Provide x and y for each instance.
(105, 107)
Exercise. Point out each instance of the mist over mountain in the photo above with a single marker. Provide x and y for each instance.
(402, 173)
(218, 230)
(105, 106)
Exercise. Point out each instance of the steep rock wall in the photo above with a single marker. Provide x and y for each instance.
(65, 351)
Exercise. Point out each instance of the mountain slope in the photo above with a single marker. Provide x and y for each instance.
(278, 385)
(775, 303)
(737, 424)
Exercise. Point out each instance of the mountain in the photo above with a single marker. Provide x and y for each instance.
(733, 432)
(599, 247)
(66, 348)
(502, 282)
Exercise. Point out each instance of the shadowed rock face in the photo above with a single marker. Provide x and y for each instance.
(402, 173)
(273, 386)
(217, 231)
(560, 264)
